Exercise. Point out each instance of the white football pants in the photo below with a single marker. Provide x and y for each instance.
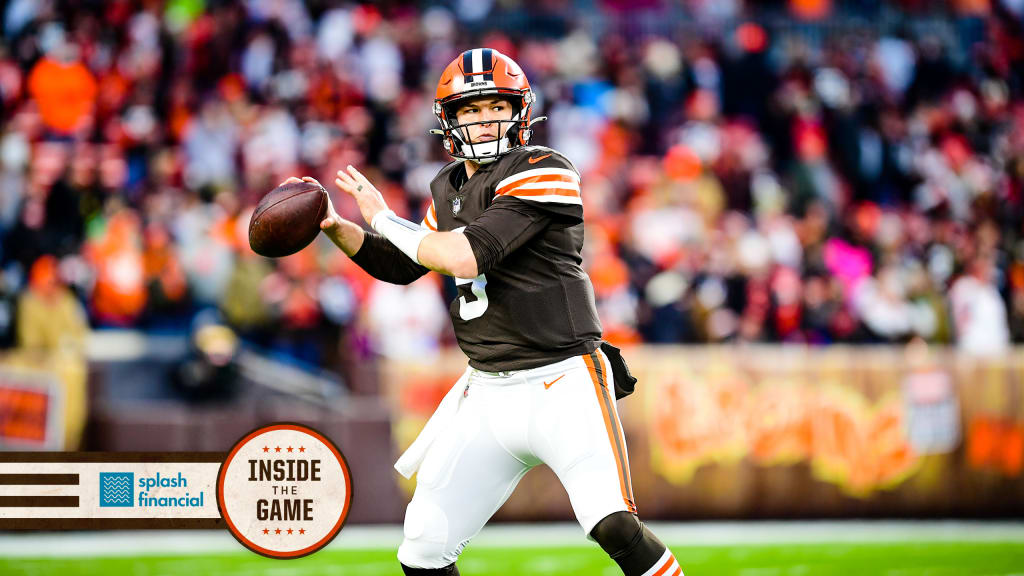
(562, 414)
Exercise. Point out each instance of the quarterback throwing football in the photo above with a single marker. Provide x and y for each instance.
(506, 220)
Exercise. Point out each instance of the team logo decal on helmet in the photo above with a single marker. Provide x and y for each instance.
(483, 72)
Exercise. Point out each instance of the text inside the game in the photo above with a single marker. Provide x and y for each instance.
(285, 470)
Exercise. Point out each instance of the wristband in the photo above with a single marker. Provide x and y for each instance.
(405, 235)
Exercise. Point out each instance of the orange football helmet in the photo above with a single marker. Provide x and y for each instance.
(483, 72)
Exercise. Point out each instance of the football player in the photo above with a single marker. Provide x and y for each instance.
(506, 220)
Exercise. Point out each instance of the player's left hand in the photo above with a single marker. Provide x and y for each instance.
(369, 199)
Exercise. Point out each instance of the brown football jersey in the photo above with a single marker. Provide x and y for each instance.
(532, 304)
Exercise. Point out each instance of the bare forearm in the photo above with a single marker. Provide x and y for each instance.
(348, 236)
(448, 253)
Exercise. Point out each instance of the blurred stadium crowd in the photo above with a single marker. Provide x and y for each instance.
(793, 171)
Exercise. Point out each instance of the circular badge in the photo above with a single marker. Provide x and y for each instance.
(284, 491)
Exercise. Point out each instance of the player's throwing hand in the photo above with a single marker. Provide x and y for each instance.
(369, 199)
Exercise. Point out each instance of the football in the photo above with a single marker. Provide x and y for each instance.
(287, 219)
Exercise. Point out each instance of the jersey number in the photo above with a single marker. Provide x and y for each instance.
(472, 293)
(472, 297)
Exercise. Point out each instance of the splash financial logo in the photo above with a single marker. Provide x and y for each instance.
(158, 491)
(117, 489)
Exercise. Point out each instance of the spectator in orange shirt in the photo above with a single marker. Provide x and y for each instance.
(64, 89)
(119, 295)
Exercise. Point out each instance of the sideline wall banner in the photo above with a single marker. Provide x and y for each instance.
(794, 431)
(788, 431)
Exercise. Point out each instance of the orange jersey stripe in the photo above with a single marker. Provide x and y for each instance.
(614, 438)
(543, 178)
(432, 215)
(544, 192)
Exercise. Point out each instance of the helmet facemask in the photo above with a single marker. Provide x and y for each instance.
(512, 132)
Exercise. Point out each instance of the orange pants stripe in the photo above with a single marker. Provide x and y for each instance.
(612, 425)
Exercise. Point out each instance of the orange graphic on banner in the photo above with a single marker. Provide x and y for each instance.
(719, 417)
(23, 414)
(692, 429)
(994, 444)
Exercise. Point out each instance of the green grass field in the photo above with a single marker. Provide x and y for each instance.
(891, 559)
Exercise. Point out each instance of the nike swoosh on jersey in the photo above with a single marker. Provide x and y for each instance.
(549, 384)
(538, 158)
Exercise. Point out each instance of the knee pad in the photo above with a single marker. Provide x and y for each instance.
(628, 542)
(617, 533)
(426, 538)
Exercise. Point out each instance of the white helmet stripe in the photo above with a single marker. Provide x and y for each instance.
(478, 60)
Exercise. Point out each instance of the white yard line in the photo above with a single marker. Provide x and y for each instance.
(199, 542)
